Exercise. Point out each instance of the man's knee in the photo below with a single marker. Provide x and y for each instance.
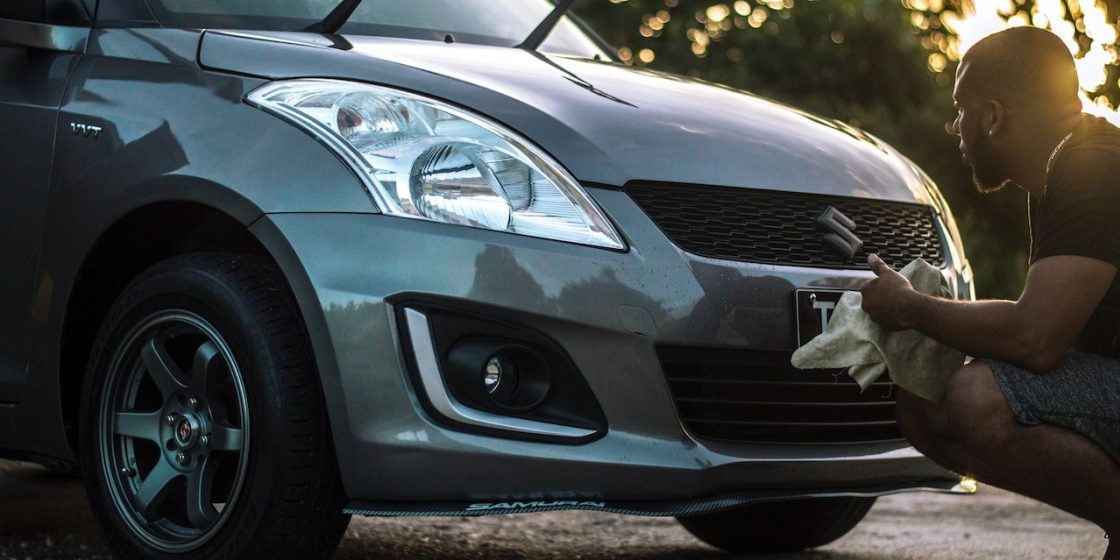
(976, 411)
(921, 421)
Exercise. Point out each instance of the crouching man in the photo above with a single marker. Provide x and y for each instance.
(1038, 411)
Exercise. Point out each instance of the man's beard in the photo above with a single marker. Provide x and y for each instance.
(986, 174)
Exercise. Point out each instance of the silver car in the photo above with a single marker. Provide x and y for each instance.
(273, 264)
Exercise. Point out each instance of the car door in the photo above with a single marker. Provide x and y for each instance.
(37, 54)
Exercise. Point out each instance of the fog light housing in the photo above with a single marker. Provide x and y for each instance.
(490, 372)
(476, 372)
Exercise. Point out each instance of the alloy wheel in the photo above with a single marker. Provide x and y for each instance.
(174, 430)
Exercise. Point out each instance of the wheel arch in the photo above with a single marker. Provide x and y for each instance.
(137, 240)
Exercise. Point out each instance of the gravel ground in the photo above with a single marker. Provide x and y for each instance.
(43, 515)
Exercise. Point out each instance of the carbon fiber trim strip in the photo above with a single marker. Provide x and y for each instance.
(670, 508)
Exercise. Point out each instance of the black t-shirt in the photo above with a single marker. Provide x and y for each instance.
(1079, 214)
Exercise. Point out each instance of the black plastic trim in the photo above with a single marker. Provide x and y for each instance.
(643, 194)
(571, 401)
(43, 36)
(741, 396)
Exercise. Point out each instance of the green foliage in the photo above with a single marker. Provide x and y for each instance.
(860, 61)
(1076, 21)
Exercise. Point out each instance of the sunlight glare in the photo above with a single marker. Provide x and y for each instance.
(988, 16)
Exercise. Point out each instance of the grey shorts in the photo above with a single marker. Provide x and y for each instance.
(1082, 393)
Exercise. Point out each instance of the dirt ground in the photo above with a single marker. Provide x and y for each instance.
(43, 516)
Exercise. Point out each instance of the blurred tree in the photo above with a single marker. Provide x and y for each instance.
(883, 65)
(951, 26)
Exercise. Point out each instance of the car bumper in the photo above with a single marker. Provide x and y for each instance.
(608, 310)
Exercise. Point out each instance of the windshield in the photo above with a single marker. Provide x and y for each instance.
(493, 22)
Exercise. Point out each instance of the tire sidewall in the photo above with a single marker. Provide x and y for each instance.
(208, 295)
(778, 527)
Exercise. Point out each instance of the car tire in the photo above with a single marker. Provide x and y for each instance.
(779, 526)
(204, 432)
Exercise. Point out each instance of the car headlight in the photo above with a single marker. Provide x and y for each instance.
(422, 158)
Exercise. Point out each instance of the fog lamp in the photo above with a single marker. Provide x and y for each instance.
(501, 377)
(493, 376)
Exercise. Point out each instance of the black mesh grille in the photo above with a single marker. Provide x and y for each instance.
(758, 397)
(781, 228)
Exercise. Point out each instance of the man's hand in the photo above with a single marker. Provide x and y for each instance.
(887, 298)
(1034, 332)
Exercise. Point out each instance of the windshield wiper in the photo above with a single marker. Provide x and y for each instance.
(533, 42)
(336, 19)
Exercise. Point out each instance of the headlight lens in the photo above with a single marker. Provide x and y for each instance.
(421, 158)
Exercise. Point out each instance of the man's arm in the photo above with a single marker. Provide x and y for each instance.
(1033, 332)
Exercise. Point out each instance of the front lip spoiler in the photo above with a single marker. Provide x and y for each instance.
(653, 508)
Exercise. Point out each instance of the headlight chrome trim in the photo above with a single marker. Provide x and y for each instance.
(601, 232)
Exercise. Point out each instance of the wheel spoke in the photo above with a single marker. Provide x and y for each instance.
(205, 358)
(155, 488)
(165, 373)
(226, 438)
(200, 484)
(140, 425)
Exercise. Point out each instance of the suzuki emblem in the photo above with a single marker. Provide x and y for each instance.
(842, 239)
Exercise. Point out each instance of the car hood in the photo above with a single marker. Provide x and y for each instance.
(607, 123)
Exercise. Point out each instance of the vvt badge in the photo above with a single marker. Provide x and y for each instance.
(842, 239)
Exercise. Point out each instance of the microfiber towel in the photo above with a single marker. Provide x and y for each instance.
(913, 361)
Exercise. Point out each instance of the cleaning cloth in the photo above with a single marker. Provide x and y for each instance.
(851, 339)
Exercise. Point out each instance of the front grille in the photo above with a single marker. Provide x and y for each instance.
(758, 397)
(780, 228)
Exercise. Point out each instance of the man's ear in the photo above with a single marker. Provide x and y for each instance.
(995, 117)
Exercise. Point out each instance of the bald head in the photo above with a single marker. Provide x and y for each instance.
(1025, 68)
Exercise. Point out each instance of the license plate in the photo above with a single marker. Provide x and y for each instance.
(814, 309)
